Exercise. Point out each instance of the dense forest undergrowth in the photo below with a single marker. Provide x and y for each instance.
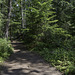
(44, 26)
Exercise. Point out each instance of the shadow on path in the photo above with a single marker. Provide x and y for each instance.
(24, 62)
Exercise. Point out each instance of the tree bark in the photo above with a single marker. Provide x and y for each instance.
(8, 19)
(23, 14)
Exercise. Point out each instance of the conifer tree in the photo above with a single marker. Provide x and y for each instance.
(39, 17)
(72, 26)
(63, 10)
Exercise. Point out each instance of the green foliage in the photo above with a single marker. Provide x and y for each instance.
(57, 47)
(72, 26)
(63, 60)
(55, 37)
(70, 44)
(49, 30)
(38, 17)
(0, 1)
(52, 41)
(65, 10)
(1, 32)
(5, 49)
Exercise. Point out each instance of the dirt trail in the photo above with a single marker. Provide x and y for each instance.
(24, 62)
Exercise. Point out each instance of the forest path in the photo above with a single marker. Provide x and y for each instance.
(24, 62)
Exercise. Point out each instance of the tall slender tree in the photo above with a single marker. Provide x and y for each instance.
(8, 18)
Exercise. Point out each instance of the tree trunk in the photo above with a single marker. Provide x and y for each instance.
(23, 14)
(8, 19)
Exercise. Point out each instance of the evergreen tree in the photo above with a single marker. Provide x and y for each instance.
(72, 26)
(38, 17)
(63, 10)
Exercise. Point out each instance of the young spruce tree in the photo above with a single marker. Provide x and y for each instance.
(39, 17)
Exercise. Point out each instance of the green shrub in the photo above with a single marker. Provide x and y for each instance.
(5, 48)
(62, 59)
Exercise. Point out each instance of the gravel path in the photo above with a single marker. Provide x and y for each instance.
(24, 62)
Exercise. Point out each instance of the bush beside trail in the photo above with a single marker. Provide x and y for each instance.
(5, 49)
